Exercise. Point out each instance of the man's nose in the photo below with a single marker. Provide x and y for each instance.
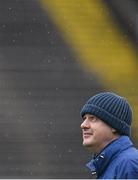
(85, 124)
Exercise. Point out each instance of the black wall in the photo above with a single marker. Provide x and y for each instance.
(42, 88)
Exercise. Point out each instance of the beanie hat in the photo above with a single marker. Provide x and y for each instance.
(112, 109)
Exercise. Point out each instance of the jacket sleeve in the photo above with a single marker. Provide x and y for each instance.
(132, 169)
(128, 170)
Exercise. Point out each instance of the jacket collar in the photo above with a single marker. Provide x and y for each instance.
(100, 162)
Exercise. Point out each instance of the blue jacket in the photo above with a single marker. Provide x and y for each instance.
(118, 160)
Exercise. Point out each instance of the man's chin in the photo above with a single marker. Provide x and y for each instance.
(86, 144)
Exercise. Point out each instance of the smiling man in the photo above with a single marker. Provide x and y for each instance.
(106, 129)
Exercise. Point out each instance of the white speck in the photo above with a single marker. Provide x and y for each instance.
(69, 150)
(20, 33)
(55, 146)
(3, 26)
(59, 155)
(35, 104)
(29, 93)
(49, 61)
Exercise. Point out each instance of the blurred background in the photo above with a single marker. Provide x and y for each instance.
(54, 55)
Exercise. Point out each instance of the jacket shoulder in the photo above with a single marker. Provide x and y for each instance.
(127, 164)
(129, 154)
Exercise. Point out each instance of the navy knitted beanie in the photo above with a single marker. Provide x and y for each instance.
(112, 109)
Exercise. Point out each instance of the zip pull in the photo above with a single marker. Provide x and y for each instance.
(94, 172)
(101, 156)
(94, 175)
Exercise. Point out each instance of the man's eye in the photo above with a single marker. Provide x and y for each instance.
(93, 118)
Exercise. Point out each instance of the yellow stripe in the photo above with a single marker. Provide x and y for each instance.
(87, 26)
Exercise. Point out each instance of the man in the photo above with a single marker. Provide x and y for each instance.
(106, 129)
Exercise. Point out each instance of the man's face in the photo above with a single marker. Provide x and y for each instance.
(96, 133)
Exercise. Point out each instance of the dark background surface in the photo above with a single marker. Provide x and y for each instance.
(42, 88)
